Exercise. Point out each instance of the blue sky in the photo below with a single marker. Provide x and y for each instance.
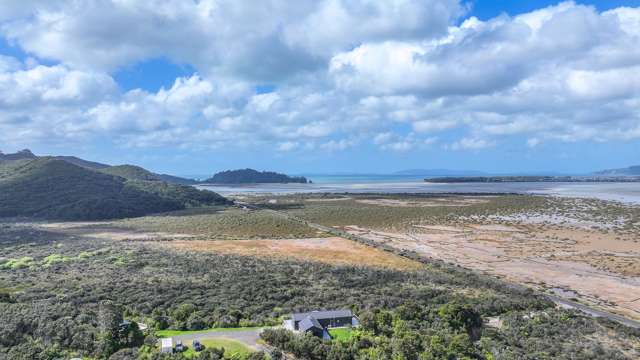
(325, 87)
(487, 9)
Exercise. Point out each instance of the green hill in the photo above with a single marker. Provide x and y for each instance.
(82, 162)
(20, 155)
(56, 189)
(250, 176)
(133, 172)
(130, 172)
(177, 179)
(26, 154)
(8, 167)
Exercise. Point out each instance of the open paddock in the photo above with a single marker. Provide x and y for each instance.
(329, 250)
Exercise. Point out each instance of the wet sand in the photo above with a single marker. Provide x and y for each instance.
(601, 269)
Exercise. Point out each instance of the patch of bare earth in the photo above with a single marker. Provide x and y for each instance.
(601, 268)
(331, 250)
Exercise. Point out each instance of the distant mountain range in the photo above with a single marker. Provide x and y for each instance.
(628, 171)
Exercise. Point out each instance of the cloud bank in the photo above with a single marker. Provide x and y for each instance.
(398, 75)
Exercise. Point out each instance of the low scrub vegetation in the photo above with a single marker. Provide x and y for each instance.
(70, 308)
(223, 223)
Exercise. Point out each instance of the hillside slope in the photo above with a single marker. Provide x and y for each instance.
(26, 154)
(20, 155)
(133, 172)
(82, 162)
(130, 172)
(55, 189)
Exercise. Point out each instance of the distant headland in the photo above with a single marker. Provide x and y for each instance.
(511, 179)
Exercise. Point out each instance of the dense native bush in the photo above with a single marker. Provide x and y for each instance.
(60, 309)
(424, 333)
(56, 189)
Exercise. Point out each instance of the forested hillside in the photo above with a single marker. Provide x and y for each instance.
(26, 154)
(56, 189)
(132, 172)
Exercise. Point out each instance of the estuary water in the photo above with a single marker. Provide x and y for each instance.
(394, 184)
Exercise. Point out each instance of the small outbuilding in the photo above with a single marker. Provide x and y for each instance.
(166, 345)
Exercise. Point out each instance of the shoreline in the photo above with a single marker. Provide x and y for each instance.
(625, 193)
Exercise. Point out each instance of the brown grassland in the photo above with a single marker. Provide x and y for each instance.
(330, 250)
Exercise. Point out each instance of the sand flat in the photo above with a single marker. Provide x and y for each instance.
(431, 202)
(602, 268)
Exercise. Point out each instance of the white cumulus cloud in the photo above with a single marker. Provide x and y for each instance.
(399, 74)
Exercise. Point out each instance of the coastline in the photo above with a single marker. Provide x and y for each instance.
(626, 192)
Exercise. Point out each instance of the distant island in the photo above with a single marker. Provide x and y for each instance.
(251, 176)
(628, 171)
(511, 179)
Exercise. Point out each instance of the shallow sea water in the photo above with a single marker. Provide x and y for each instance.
(622, 192)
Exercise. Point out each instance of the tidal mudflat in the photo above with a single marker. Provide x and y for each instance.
(577, 248)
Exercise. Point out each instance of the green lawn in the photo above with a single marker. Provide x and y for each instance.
(170, 333)
(232, 349)
(340, 333)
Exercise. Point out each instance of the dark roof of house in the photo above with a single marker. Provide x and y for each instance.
(308, 323)
(332, 314)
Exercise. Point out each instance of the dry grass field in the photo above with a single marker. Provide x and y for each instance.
(330, 250)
